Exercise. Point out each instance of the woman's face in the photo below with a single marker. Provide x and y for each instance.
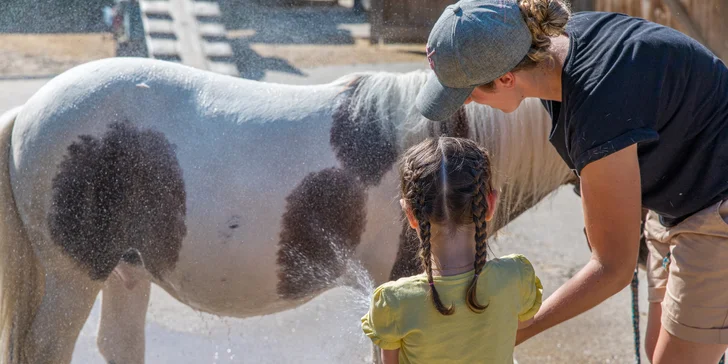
(503, 96)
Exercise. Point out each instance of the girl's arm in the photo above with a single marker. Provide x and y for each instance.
(612, 199)
(390, 356)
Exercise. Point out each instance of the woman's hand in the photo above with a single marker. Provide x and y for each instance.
(525, 324)
(611, 199)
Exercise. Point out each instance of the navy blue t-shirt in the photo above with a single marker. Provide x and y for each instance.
(626, 80)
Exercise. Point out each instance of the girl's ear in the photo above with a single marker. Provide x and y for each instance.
(410, 215)
(492, 201)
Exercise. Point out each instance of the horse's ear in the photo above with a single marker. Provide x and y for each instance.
(354, 82)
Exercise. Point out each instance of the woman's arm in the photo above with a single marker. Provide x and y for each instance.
(524, 324)
(390, 356)
(611, 199)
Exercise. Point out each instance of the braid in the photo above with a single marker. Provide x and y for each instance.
(417, 196)
(426, 257)
(480, 209)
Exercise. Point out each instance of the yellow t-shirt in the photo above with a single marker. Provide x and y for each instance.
(402, 315)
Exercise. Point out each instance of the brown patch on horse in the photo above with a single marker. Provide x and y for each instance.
(120, 193)
(407, 262)
(363, 145)
(322, 226)
(457, 124)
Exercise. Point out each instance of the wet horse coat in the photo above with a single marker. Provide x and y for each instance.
(239, 198)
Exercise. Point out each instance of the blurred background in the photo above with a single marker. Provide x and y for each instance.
(309, 42)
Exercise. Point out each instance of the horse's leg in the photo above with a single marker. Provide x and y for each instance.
(407, 263)
(66, 303)
(45, 298)
(123, 312)
(376, 355)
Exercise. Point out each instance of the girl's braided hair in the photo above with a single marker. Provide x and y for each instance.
(446, 181)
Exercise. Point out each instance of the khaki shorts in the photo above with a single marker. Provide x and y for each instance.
(692, 280)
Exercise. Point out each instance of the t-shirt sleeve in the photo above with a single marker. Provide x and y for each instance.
(531, 290)
(380, 323)
(617, 111)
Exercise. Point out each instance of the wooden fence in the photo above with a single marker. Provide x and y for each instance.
(404, 20)
(704, 20)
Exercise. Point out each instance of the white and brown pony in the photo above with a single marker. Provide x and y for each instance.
(239, 198)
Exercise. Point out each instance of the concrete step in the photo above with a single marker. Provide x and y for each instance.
(155, 7)
(217, 49)
(163, 47)
(206, 9)
(215, 30)
(160, 26)
(189, 32)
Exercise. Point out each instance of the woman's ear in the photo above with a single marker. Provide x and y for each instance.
(506, 81)
(410, 215)
(492, 202)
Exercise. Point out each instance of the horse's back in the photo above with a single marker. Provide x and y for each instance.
(197, 162)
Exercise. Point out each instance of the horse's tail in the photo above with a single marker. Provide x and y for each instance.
(21, 282)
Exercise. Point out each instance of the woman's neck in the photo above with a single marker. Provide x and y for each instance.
(544, 81)
(452, 249)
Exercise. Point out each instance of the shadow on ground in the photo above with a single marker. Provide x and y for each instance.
(276, 24)
(253, 66)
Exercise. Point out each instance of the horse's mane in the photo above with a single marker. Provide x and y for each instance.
(526, 166)
(390, 99)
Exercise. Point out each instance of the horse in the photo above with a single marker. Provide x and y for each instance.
(237, 197)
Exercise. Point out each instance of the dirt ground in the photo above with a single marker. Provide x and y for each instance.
(362, 52)
(34, 55)
(48, 54)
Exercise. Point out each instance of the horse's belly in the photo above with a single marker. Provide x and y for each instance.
(227, 264)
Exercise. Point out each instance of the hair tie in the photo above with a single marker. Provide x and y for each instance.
(476, 275)
(431, 283)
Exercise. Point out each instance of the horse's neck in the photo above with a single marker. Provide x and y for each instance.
(526, 167)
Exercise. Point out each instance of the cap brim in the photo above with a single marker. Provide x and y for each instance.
(438, 102)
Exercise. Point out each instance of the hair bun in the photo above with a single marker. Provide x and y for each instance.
(545, 19)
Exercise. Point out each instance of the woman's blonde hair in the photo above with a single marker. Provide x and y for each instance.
(545, 19)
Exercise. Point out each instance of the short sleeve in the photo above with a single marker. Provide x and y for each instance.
(531, 290)
(380, 323)
(619, 110)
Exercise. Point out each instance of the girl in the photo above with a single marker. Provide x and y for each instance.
(640, 112)
(475, 305)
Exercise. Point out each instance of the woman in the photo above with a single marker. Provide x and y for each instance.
(640, 112)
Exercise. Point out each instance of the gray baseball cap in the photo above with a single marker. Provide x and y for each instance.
(472, 43)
